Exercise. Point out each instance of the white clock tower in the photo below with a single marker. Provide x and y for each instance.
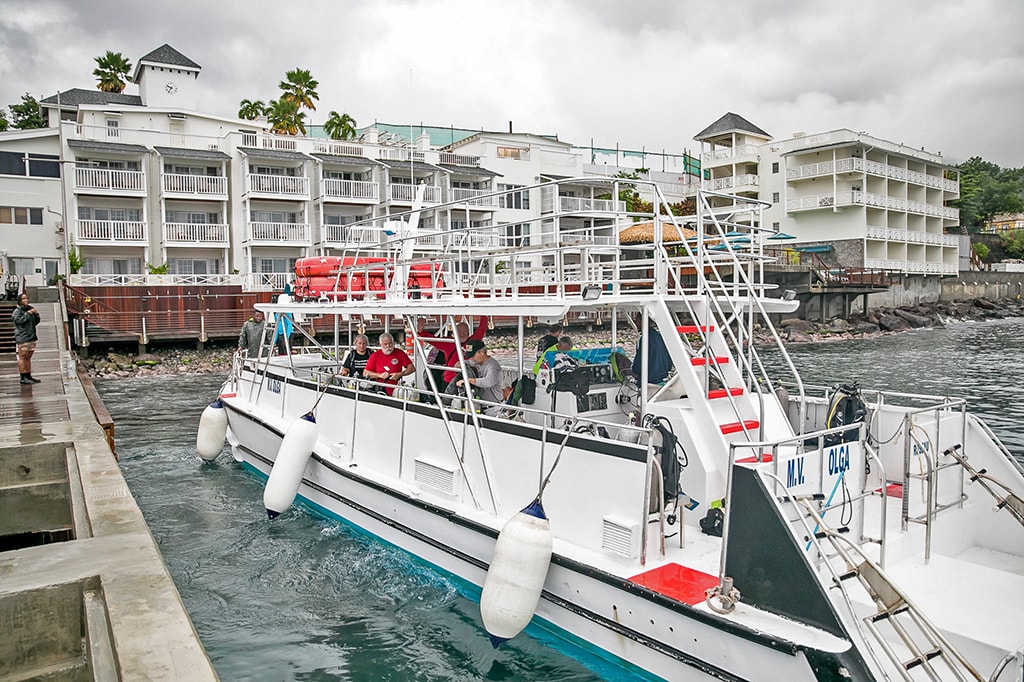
(166, 79)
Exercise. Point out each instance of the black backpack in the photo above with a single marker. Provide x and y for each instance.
(712, 522)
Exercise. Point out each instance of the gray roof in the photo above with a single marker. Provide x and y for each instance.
(417, 165)
(76, 96)
(730, 122)
(181, 153)
(165, 54)
(346, 160)
(117, 147)
(273, 154)
(470, 170)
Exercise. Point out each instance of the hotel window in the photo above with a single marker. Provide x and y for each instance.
(512, 153)
(19, 215)
(775, 226)
(112, 128)
(775, 197)
(516, 235)
(775, 166)
(513, 199)
(118, 214)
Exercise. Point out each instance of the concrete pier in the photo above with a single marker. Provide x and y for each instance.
(84, 592)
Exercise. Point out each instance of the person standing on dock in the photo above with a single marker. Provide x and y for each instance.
(25, 318)
(251, 335)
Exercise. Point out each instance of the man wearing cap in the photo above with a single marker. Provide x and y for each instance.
(488, 380)
(252, 334)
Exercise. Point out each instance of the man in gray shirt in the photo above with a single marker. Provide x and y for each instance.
(488, 380)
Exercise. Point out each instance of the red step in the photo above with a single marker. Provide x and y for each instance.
(724, 392)
(733, 427)
(693, 329)
(717, 360)
(765, 458)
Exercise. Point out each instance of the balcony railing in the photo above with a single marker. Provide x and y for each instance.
(279, 233)
(110, 231)
(336, 148)
(406, 193)
(196, 234)
(204, 185)
(459, 159)
(582, 204)
(350, 189)
(730, 153)
(470, 196)
(278, 184)
(111, 181)
(151, 138)
(731, 182)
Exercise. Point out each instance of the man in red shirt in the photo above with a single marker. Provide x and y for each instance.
(448, 345)
(389, 364)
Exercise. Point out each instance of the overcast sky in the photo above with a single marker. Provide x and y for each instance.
(945, 75)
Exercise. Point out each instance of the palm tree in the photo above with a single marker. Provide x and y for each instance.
(340, 126)
(285, 118)
(300, 88)
(251, 109)
(112, 71)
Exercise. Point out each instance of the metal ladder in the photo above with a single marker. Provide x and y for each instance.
(922, 652)
(1005, 498)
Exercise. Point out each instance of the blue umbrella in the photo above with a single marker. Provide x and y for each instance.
(781, 235)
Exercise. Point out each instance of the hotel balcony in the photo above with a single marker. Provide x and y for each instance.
(110, 182)
(279, 234)
(737, 183)
(344, 236)
(110, 232)
(350, 191)
(578, 204)
(196, 234)
(280, 186)
(814, 170)
(451, 159)
(859, 198)
(743, 152)
(474, 197)
(194, 186)
(404, 194)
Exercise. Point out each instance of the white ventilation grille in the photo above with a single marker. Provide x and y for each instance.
(441, 478)
(620, 538)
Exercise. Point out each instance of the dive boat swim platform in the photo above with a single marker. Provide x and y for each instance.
(714, 523)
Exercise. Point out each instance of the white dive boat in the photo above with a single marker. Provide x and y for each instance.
(863, 534)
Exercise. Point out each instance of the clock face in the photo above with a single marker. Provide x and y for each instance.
(171, 87)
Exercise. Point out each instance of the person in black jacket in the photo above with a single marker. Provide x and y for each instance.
(551, 338)
(25, 319)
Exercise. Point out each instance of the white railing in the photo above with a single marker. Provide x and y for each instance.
(950, 185)
(200, 234)
(109, 279)
(578, 204)
(336, 148)
(275, 233)
(406, 193)
(810, 170)
(266, 281)
(176, 183)
(470, 196)
(111, 180)
(152, 138)
(399, 154)
(916, 177)
(896, 173)
(876, 232)
(875, 168)
(951, 240)
(950, 213)
(278, 184)
(285, 143)
(730, 153)
(915, 237)
(110, 230)
(884, 264)
(459, 159)
(350, 189)
(915, 207)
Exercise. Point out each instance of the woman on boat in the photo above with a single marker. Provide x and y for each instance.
(355, 361)
(389, 364)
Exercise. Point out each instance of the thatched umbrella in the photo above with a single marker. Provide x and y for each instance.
(643, 233)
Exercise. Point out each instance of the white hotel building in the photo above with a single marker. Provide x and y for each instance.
(149, 180)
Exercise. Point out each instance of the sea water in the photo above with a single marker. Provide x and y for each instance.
(303, 598)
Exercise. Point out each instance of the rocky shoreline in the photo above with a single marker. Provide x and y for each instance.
(216, 359)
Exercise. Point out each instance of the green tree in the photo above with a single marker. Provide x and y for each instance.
(985, 190)
(300, 87)
(1013, 244)
(4, 123)
(28, 114)
(285, 118)
(980, 250)
(340, 126)
(251, 109)
(75, 260)
(111, 72)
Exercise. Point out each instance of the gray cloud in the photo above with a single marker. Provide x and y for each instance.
(946, 76)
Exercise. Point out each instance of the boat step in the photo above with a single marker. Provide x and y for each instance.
(724, 392)
(694, 329)
(716, 360)
(766, 457)
(924, 657)
(733, 427)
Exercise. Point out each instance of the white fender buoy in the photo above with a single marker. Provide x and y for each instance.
(516, 576)
(286, 474)
(213, 428)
